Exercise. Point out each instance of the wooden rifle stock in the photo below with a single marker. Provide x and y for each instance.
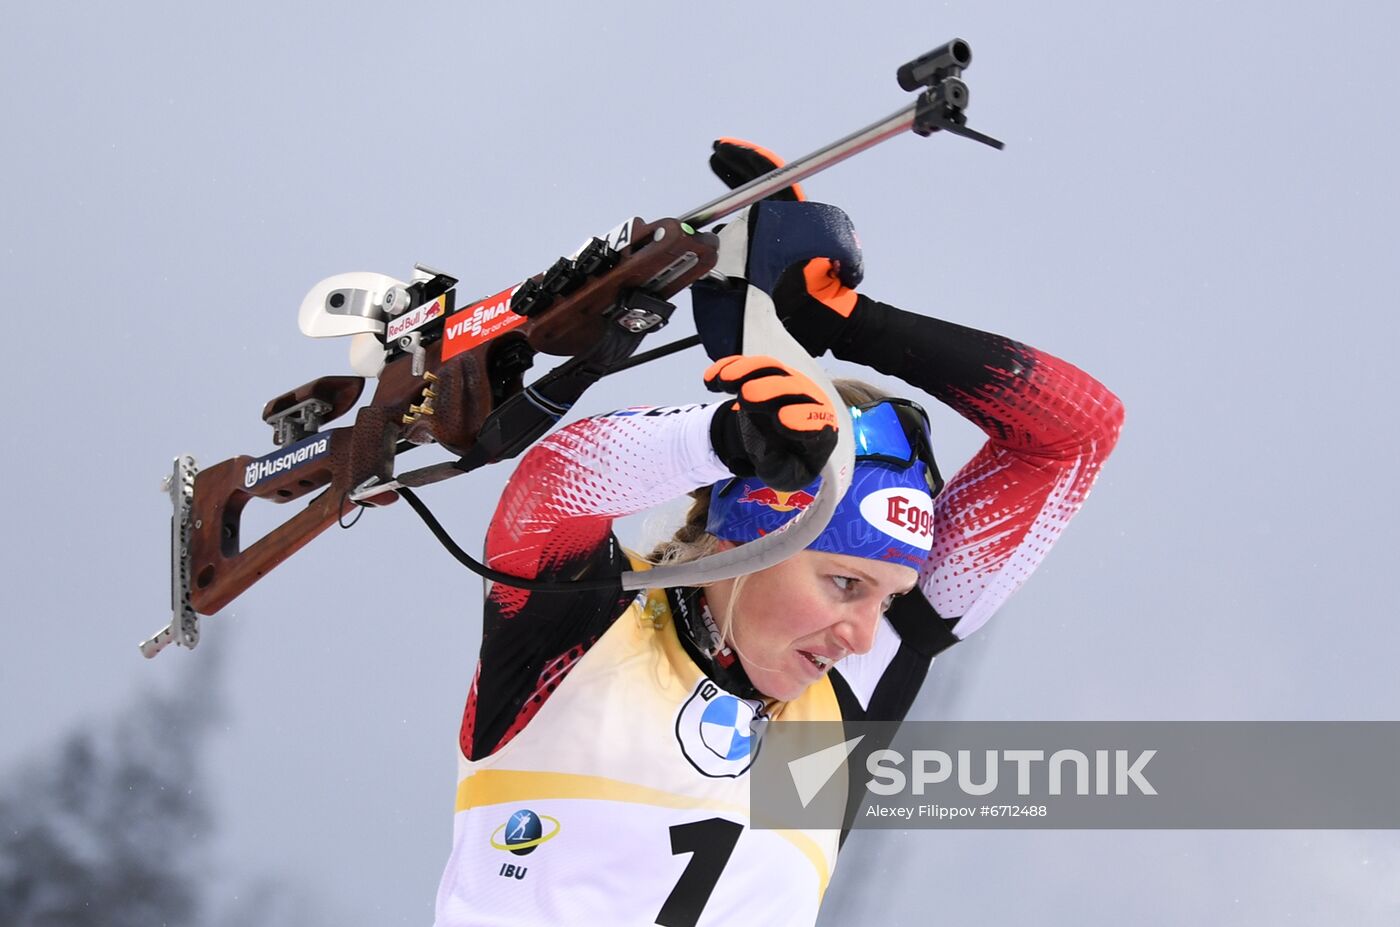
(446, 405)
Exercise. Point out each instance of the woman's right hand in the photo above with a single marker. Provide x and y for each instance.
(781, 429)
(814, 304)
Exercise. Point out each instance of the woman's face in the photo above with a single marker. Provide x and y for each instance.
(793, 620)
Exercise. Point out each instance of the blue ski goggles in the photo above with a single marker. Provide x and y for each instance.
(881, 517)
(895, 432)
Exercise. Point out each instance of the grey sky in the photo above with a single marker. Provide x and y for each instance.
(1196, 204)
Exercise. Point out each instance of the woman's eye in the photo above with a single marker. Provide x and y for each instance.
(844, 583)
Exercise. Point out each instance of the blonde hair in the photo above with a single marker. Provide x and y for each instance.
(692, 541)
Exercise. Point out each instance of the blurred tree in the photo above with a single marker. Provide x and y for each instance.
(114, 830)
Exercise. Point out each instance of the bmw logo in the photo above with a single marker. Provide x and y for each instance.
(724, 727)
(719, 733)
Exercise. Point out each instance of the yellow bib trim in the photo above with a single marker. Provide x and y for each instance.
(519, 787)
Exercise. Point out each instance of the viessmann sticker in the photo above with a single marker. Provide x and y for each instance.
(479, 323)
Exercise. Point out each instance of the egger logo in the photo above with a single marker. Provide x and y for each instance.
(904, 514)
(479, 323)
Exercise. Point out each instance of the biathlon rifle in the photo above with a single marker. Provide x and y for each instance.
(454, 376)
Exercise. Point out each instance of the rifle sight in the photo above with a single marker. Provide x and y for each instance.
(947, 60)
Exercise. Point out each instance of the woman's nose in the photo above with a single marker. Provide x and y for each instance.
(856, 634)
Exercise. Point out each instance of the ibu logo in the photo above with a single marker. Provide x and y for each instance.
(522, 832)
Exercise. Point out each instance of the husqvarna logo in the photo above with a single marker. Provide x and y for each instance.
(719, 732)
(265, 468)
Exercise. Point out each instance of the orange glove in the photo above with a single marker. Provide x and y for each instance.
(782, 429)
(814, 304)
(736, 162)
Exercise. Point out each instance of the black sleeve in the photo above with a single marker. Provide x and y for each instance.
(529, 641)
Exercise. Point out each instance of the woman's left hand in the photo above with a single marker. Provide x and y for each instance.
(782, 429)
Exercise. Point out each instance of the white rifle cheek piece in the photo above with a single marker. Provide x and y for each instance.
(346, 304)
(354, 304)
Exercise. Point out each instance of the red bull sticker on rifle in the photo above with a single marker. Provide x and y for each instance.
(479, 323)
(415, 319)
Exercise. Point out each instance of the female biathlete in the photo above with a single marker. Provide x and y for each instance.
(607, 736)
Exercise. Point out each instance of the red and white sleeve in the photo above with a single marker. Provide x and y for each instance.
(564, 495)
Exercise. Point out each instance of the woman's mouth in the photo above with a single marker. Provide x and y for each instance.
(819, 663)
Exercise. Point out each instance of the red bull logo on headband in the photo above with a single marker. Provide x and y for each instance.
(887, 514)
(776, 500)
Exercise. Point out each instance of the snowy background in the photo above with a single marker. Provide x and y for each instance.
(1197, 204)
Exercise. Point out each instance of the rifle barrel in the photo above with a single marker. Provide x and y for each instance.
(804, 167)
